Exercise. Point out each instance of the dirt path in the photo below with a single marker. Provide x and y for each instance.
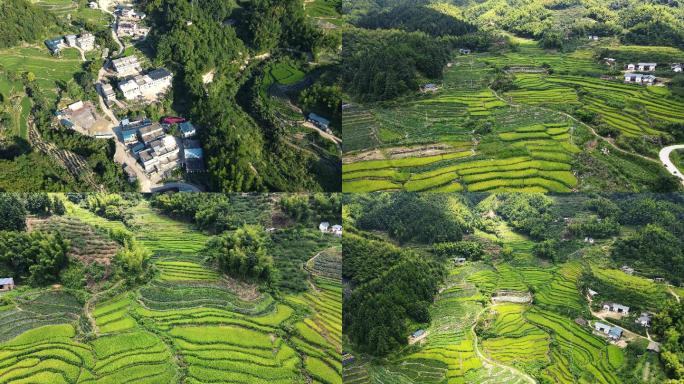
(323, 134)
(676, 296)
(486, 360)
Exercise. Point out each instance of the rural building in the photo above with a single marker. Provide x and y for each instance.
(137, 148)
(130, 13)
(417, 336)
(319, 121)
(148, 86)
(187, 129)
(193, 156)
(615, 333)
(75, 106)
(627, 270)
(55, 45)
(601, 327)
(631, 67)
(337, 230)
(6, 284)
(148, 161)
(589, 240)
(640, 79)
(167, 153)
(659, 280)
(646, 66)
(126, 66)
(464, 51)
(677, 67)
(131, 29)
(86, 42)
(107, 92)
(609, 60)
(429, 88)
(593, 37)
(129, 136)
(592, 293)
(459, 260)
(323, 227)
(92, 5)
(617, 308)
(70, 40)
(644, 320)
(653, 347)
(151, 132)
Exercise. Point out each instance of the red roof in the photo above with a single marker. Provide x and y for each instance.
(172, 120)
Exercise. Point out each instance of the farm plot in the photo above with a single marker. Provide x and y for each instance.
(113, 315)
(136, 356)
(575, 348)
(541, 162)
(46, 354)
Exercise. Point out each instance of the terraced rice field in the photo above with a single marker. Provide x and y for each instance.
(189, 324)
(48, 69)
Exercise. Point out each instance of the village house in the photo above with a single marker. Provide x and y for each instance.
(627, 270)
(6, 284)
(593, 37)
(86, 42)
(129, 136)
(459, 260)
(417, 336)
(55, 45)
(126, 66)
(147, 86)
(429, 88)
(609, 60)
(131, 29)
(592, 293)
(130, 174)
(323, 227)
(648, 67)
(464, 51)
(644, 320)
(337, 230)
(70, 40)
(148, 161)
(589, 240)
(613, 332)
(659, 280)
(347, 358)
(617, 308)
(640, 79)
(92, 5)
(167, 153)
(151, 132)
(677, 67)
(653, 347)
(107, 92)
(319, 121)
(631, 67)
(187, 129)
(193, 156)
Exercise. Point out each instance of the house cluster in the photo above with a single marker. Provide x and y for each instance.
(139, 85)
(85, 41)
(325, 227)
(613, 332)
(615, 307)
(589, 240)
(157, 151)
(645, 67)
(417, 336)
(128, 23)
(84, 118)
(319, 121)
(6, 284)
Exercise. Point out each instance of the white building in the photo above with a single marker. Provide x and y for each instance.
(323, 227)
(337, 230)
(126, 66)
(644, 320)
(647, 66)
(631, 67)
(147, 86)
(677, 67)
(70, 40)
(617, 308)
(131, 29)
(640, 79)
(86, 42)
(92, 5)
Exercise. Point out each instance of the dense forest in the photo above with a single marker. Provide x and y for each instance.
(23, 22)
(401, 246)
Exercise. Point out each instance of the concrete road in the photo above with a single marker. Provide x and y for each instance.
(665, 159)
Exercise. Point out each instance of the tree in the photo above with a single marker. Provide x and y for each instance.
(12, 213)
(242, 253)
(133, 259)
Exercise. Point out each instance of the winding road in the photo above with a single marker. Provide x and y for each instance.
(669, 165)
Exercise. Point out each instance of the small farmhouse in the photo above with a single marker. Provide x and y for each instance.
(677, 67)
(640, 79)
(592, 293)
(417, 336)
(627, 270)
(193, 156)
(644, 320)
(613, 332)
(6, 284)
(429, 88)
(617, 308)
(55, 45)
(459, 260)
(647, 66)
(319, 121)
(126, 66)
(323, 227)
(631, 67)
(337, 230)
(187, 129)
(464, 51)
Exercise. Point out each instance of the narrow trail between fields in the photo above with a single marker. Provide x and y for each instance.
(591, 129)
(669, 165)
(486, 360)
(676, 296)
(87, 308)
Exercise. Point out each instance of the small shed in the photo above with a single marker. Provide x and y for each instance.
(417, 336)
(6, 284)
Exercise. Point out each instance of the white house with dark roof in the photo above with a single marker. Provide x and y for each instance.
(337, 230)
(648, 67)
(644, 320)
(638, 78)
(6, 284)
(615, 307)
